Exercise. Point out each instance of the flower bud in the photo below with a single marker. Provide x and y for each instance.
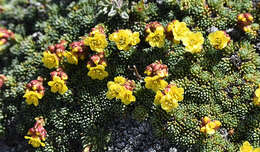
(3, 79)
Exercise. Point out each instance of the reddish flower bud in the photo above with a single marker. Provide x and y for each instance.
(51, 48)
(36, 85)
(157, 68)
(60, 73)
(95, 58)
(151, 27)
(129, 85)
(249, 17)
(3, 79)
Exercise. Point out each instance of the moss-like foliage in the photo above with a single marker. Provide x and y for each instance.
(217, 83)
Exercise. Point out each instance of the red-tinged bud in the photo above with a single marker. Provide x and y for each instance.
(95, 59)
(40, 88)
(36, 85)
(54, 73)
(60, 73)
(99, 28)
(64, 76)
(151, 27)
(156, 67)
(59, 46)
(249, 17)
(28, 85)
(51, 48)
(129, 85)
(59, 52)
(3, 79)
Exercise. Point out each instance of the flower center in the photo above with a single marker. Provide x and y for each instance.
(156, 38)
(122, 40)
(58, 85)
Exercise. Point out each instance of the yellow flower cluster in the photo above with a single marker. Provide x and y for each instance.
(58, 81)
(58, 85)
(34, 91)
(156, 73)
(256, 100)
(96, 67)
(122, 89)
(37, 133)
(245, 21)
(169, 97)
(156, 35)
(192, 41)
(124, 39)
(219, 39)
(209, 127)
(96, 39)
(246, 147)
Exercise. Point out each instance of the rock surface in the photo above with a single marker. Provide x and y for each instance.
(129, 135)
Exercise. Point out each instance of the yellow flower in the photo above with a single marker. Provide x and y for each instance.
(50, 60)
(210, 128)
(114, 90)
(120, 80)
(58, 85)
(35, 141)
(126, 96)
(193, 42)
(124, 39)
(97, 72)
(135, 38)
(156, 38)
(256, 100)
(246, 147)
(168, 103)
(97, 42)
(32, 97)
(176, 93)
(71, 57)
(218, 39)
(155, 83)
(158, 97)
(180, 30)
